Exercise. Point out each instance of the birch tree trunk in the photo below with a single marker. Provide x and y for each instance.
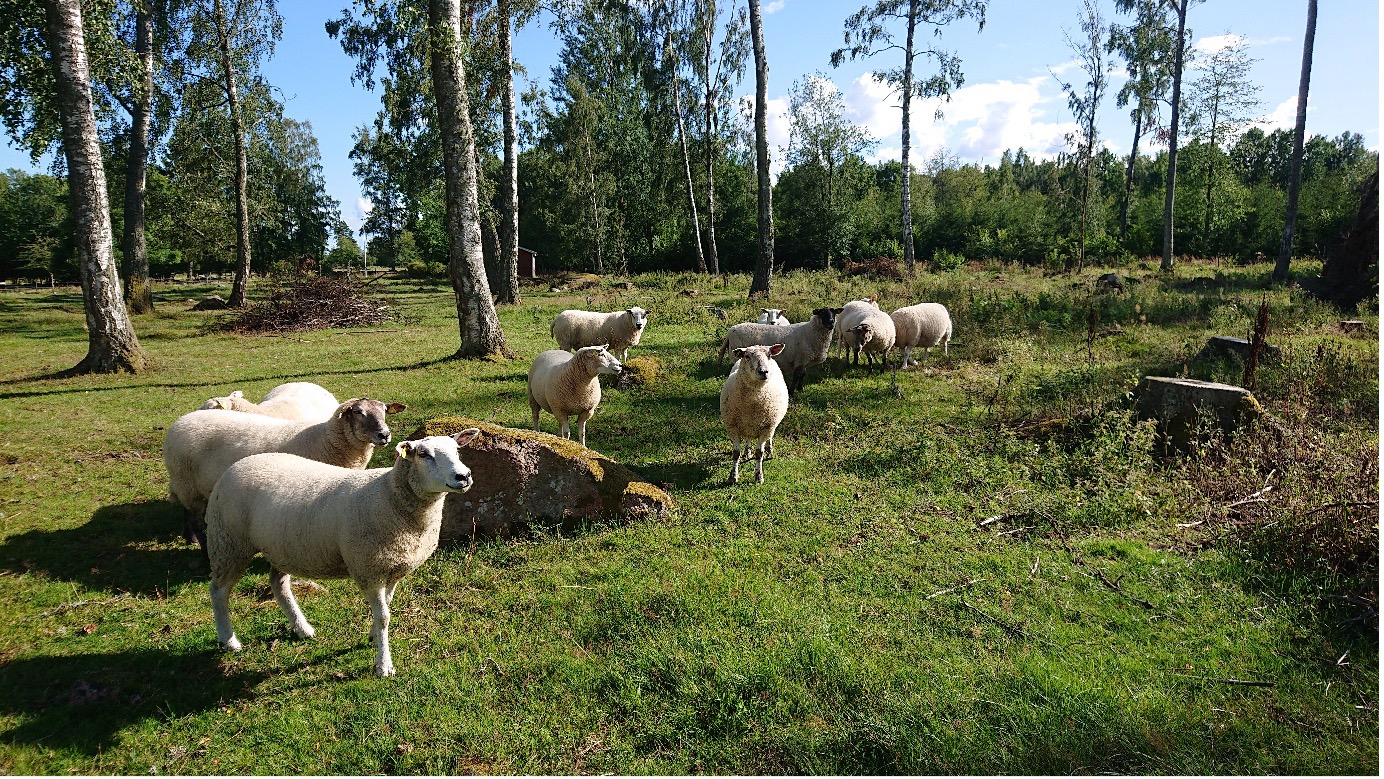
(479, 326)
(691, 188)
(138, 291)
(242, 159)
(111, 343)
(764, 265)
(1179, 47)
(1129, 177)
(1281, 270)
(509, 183)
(906, 189)
(711, 143)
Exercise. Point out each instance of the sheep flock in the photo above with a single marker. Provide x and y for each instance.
(286, 477)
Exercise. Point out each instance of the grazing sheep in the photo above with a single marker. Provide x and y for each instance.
(754, 400)
(199, 446)
(852, 314)
(619, 330)
(772, 316)
(805, 344)
(874, 336)
(321, 521)
(565, 384)
(296, 400)
(921, 326)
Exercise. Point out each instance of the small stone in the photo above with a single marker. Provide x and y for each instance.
(1221, 346)
(212, 303)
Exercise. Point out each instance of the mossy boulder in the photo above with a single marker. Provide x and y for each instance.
(523, 476)
(1177, 404)
(639, 372)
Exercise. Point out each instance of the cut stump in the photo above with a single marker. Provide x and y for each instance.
(1177, 403)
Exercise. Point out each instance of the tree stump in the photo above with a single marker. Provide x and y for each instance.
(522, 476)
(1177, 404)
(1220, 346)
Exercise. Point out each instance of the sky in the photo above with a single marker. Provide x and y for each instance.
(1011, 97)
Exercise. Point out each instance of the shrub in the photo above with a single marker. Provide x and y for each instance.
(310, 303)
(944, 260)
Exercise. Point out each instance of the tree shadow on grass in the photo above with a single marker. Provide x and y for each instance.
(83, 702)
(123, 548)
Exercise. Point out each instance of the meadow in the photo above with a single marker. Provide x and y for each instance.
(982, 565)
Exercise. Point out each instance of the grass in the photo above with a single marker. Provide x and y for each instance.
(794, 627)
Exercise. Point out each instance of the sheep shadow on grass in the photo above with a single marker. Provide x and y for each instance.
(130, 547)
(83, 702)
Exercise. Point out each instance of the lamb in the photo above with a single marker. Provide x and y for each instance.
(295, 400)
(754, 401)
(805, 344)
(573, 330)
(772, 316)
(322, 521)
(565, 384)
(921, 326)
(852, 314)
(873, 336)
(199, 446)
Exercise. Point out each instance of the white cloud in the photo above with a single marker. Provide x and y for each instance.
(773, 7)
(1214, 43)
(983, 120)
(1282, 117)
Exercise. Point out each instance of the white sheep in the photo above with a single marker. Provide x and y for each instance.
(772, 316)
(754, 401)
(314, 520)
(805, 344)
(199, 446)
(921, 326)
(852, 314)
(873, 336)
(619, 330)
(565, 385)
(295, 400)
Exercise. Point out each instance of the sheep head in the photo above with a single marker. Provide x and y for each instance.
(757, 362)
(598, 359)
(638, 316)
(435, 463)
(827, 316)
(364, 419)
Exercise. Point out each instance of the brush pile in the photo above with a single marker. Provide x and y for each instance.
(310, 303)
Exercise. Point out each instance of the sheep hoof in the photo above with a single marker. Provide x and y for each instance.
(304, 630)
(384, 669)
(759, 478)
(232, 645)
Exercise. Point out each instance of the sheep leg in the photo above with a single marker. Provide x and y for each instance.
(906, 358)
(533, 406)
(223, 580)
(735, 461)
(379, 627)
(563, 431)
(770, 445)
(282, 585)
(581, 426)
(759, 462)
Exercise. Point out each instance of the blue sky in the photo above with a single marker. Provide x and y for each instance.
(1010, 98)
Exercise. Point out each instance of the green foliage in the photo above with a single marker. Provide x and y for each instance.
(944, 260)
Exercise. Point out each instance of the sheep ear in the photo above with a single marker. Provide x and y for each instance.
(404, 449)
(763, 310)
(466, 436)
(775, 349)
(237, 394)
(394, 408)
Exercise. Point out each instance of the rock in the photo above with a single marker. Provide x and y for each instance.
(625, 285)
(1352, 326)
(1176, 404)
(1110, 281)
(716, 311)
(523, 475)
(213, 303)
(1221, 346)
(689, 293)
(639, 372)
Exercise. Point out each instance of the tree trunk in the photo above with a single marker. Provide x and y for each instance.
(111, 342)
(242, 161)
(138, 291)
(1281, 270)
(1129, 175)
(711, 143)
(509, 184)
(597, 257)
(906, 189)
(1209, 212)
(479, 326)
(1180, 46)
(691, 188)
(764, 264)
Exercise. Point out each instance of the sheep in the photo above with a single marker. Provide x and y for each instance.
(199, 446)
(296, 400)
(565, 384)
(805, 344)
(873, 336)
(921, 326)
(772, 316)
(619, 330)
(852, 314)
(754, 401)
(310, 519)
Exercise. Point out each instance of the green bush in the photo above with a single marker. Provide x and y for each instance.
(418, 269)
(944, 260)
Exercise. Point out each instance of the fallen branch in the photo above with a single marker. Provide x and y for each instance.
(961, 586)
(1254, 497)
(1012, 532)
(1012, 628)
(1350, 504)
(1241, 682)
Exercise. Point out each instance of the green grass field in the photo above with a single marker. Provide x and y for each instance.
(851, 615)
